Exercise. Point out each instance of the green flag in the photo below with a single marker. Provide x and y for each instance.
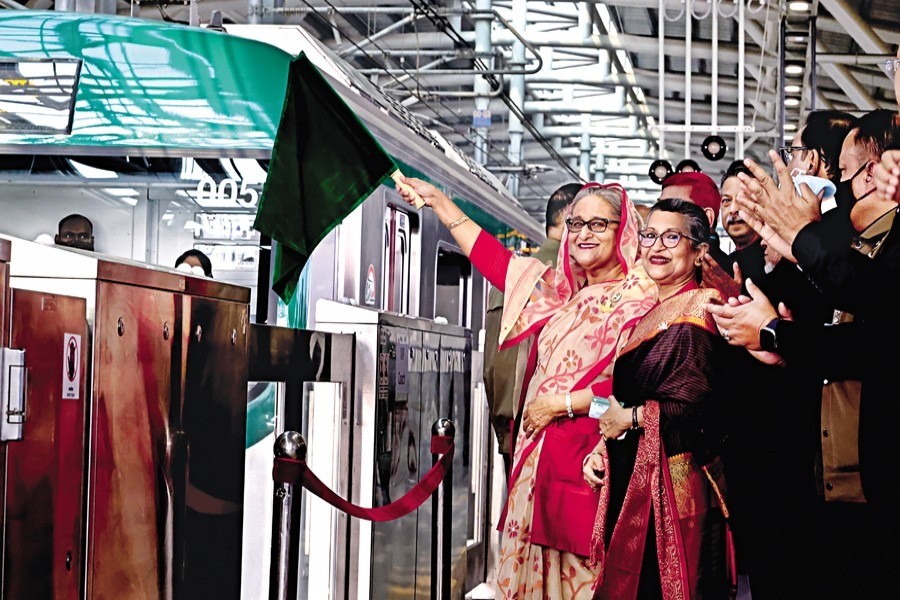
(324, 164)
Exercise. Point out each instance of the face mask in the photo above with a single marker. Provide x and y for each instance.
(850, 181)
(818, 185)
(195, 271)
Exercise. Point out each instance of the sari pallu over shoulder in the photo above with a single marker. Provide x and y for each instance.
(579, 331)
(684, 495)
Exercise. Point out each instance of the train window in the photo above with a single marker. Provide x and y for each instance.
(453, 287)
(395, 285)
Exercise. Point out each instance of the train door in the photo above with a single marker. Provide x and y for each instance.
(395, 282)
(453, 286)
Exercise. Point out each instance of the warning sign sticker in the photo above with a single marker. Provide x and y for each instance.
(71, 366)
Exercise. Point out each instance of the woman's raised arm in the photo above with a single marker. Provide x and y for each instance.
(463, 229)
(488, 255)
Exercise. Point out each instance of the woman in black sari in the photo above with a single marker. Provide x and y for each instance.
(660, 530)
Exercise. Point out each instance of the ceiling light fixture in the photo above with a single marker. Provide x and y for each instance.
(798, 6)
(714, 147)
(794, 68)
(792, 89)
(659, 170)
(688, 166)
(792, 101)
(790, 127)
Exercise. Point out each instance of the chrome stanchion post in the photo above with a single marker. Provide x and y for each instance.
(441, 527)
(289, 444)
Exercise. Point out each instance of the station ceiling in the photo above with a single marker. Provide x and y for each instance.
(591, 72)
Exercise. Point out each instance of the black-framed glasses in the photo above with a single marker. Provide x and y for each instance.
(595, 225)
(787, 152)
(891, 66)
(670, 238)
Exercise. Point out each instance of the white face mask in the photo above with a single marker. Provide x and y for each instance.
(816, 184)
(195, 271)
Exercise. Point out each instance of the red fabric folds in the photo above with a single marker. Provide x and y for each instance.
(296, 472)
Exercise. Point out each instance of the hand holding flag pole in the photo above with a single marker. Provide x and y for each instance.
(402, 186)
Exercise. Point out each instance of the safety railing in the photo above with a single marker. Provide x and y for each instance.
(290, 472)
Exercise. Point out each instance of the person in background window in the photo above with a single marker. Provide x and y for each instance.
(504, 370)
(195, 263)
(76, 231)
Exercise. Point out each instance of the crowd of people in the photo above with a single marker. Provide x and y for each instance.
(645, 368)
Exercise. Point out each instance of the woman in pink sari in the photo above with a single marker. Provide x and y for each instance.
(578, 313)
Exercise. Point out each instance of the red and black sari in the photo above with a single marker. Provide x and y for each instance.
(661, 530)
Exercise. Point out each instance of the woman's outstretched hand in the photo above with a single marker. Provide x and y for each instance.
(615, 421)
(427, 192)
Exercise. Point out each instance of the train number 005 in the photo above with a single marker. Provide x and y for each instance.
(227, 189)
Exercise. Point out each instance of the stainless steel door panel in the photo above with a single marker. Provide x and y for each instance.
(455, 394)
(131, 484)
(213, 422)
(397, 464)
(430, 410)
(43, 527)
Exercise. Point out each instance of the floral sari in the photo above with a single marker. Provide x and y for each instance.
(660, 529)
(579, 330)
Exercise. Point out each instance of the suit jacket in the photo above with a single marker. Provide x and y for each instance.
(867, 349)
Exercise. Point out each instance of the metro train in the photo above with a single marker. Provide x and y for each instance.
(160, 134)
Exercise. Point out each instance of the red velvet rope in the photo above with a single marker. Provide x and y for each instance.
(296, 472)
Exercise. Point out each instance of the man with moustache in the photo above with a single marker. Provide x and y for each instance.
(747, 259)
(857, 524)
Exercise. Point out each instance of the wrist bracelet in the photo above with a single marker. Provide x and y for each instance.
(634, 420)
(457, 222)
(569, 410)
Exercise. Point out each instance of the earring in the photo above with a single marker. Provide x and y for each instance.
(698, 262)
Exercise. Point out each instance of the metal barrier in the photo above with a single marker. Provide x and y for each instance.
(440, 520)
(289, 444)
(291, 470)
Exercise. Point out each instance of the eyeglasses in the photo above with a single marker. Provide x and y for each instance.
(71, 237)
(787, 152)
(891, 66)
(670, 238)
(597, 225)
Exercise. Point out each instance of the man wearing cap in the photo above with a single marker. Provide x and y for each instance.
(700, 189)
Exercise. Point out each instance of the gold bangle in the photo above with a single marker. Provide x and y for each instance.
(457, 222)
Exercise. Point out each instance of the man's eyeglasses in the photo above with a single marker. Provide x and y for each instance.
(598, 225)
(787, 152)
(670, 238)
(71, 237)
(891, 66)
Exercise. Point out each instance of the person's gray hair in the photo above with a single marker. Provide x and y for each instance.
(612, 196)
(695, 218)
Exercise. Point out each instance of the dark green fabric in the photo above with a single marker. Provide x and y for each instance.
(324, 164)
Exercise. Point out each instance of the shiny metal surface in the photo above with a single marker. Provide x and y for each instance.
(13, 384)
(43, 533)
(315, 370)
(289, 444)
(134, 447)
(393, 433)
(164, 480)
(182, 83)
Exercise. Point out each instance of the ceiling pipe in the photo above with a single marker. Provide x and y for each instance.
(861, 32)
(626, 42)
